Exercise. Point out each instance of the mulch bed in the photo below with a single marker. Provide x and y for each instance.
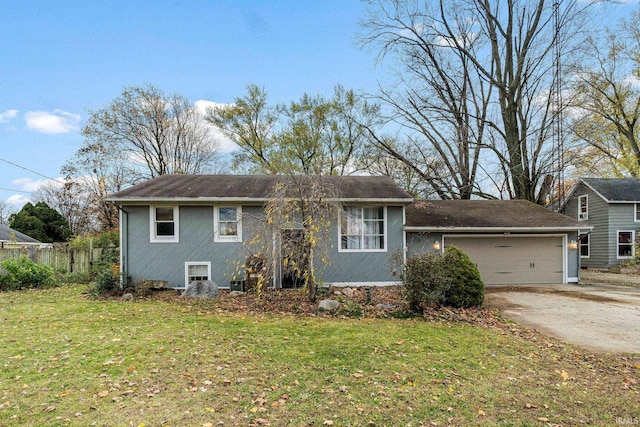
(374, 302)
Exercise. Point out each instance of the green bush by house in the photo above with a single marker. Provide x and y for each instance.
(433, 279)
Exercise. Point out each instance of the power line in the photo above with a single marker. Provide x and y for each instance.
(27, 169)
(18, 191)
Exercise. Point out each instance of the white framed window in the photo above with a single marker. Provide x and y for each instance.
(636, 214)
(625, 248)
(585, 246)
(227, 223)
(583, 207)
(363, 229)
(196, 271)
(164, 222)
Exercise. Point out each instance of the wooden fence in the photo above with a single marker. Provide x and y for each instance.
(61, 259)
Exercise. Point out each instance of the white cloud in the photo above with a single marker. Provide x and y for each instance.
(225, 144)
(18, 200)
(29, 184)
(8, 115)
(57, 121)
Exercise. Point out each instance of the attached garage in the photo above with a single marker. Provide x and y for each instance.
(505, 260)
(511, 241)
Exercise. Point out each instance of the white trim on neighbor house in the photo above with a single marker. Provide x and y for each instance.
(630, 243)
(385, 242)
(196, 263)
(217, 237)
(583, 209)
(153, 234)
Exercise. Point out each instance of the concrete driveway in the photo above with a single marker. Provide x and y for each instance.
(598, 316)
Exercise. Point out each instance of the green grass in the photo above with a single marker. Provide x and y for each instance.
(69, 360)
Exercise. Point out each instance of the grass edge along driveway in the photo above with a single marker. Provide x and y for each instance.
(69, 360)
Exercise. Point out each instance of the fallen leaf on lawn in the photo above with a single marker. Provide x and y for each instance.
(481, 412)
(327, 422)
(49, 409)
(543, 419)
(530, 406)
(103, 393)
(207, 425)
(565, 375)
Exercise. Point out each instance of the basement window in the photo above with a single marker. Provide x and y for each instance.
(196, 271)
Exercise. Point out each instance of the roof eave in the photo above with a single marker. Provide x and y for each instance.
(150, 200)
(415, 228)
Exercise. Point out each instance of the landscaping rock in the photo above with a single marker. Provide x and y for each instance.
(348, 292)
(328, 306)
(127, 297)
(201, 289)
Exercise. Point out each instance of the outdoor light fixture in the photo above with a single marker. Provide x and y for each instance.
(436, 245)
(573, 244)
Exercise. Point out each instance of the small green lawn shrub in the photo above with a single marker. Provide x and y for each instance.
(426, 281)
(434, 279)
(467, 288)
(106, 283)
(24, 273)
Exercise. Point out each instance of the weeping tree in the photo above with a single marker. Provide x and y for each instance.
(473, 89)
(294, 232)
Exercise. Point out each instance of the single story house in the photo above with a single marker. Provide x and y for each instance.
(10, 238)
(178, 228)
(612, 207)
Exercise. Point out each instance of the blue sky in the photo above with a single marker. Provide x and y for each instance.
(60, 59)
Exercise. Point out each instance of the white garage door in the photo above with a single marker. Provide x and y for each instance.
(514, 260)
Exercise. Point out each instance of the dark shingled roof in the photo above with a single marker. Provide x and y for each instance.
(496, 214)
(256, 187)
(5, 235)
(616, 189)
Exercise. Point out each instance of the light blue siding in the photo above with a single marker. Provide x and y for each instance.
(142, 259)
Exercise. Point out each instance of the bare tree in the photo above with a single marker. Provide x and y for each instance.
(606, 107)
(474, 85)
(73, 202)
(157, 134)
(5, 212)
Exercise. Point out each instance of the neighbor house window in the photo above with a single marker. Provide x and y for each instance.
(363, 229)
(228, 224)
(636, 215)
(583, 208)
(625, 244)
(584, 246)
(164, 223)
(196, 271)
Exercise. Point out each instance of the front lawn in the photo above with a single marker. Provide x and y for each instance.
(70, 360)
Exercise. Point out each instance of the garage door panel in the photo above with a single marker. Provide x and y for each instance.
(514, 260)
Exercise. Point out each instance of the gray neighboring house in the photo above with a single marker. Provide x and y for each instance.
(179, 228)
(511, 241)
(10, 238)
(612, 207)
